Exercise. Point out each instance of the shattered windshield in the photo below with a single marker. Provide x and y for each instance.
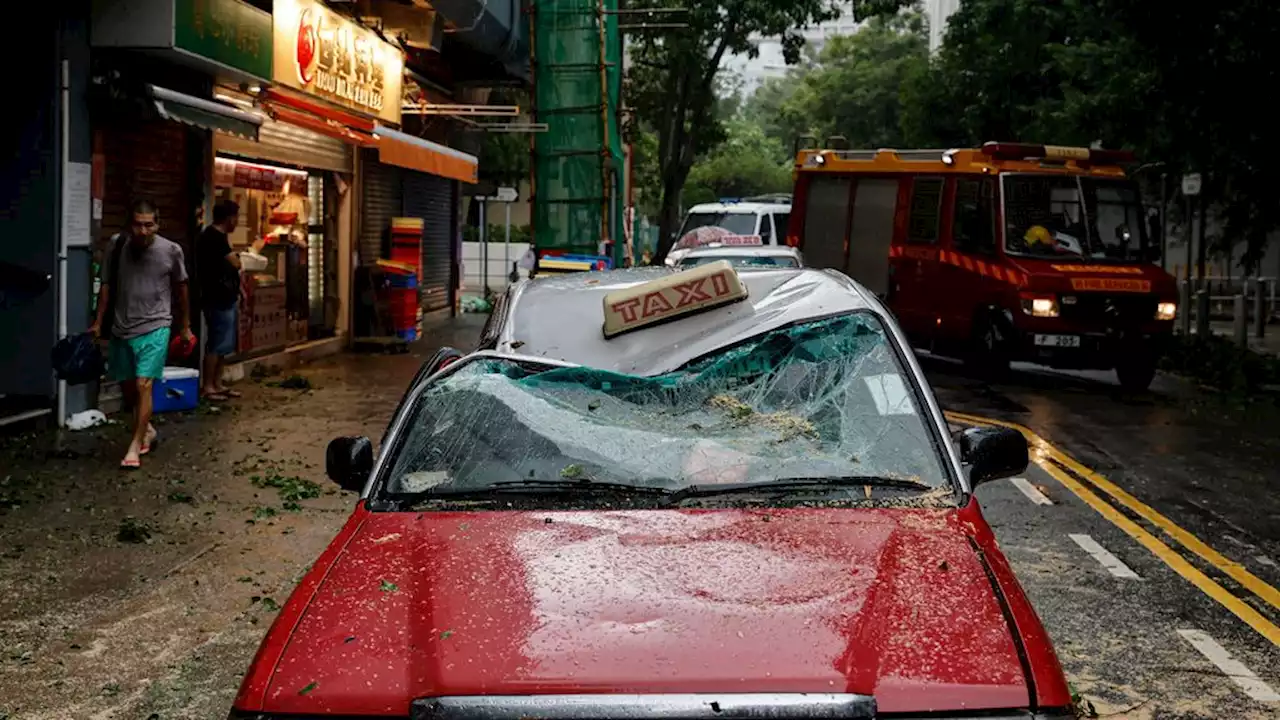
(1057, 216)
(824, 399)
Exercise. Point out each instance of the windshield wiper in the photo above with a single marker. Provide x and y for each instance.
(534, 486)
(798, 484)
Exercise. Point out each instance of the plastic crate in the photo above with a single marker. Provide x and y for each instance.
(178, 390)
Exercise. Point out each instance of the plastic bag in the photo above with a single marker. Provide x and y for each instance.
(77, 359)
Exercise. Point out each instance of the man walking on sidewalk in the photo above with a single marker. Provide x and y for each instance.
(139, 280)
(218, 274)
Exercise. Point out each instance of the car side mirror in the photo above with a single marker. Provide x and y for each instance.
(348, 462)
(992, 453)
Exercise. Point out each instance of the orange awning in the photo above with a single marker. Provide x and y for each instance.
(277, 97)
(414, 153)
(321, 125)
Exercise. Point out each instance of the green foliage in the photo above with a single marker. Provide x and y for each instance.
(854, 86)
(746, 163)
(498, 233)
(673, 78)
(1179, 84)
(504, 157)
(1218, 362)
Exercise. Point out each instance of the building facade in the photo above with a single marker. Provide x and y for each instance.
(324, 121)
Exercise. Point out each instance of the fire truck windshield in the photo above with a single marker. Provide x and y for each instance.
(1080, 217)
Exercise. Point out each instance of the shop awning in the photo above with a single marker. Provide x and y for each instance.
(415, 153)
(322, 126)
(206, 114)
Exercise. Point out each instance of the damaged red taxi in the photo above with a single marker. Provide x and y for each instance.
(666, 494)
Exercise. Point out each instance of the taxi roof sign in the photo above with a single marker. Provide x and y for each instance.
(674, 296)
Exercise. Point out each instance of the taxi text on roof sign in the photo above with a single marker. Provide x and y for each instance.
(739, 240)
(684, 293)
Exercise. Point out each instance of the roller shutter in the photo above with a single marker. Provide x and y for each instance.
(289, 144)
(431, 198)
(380, 200)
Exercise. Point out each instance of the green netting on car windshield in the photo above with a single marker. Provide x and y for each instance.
(822, 399)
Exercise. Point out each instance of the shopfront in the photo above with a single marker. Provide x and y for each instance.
(293, 186)
(154, 119)
(297, 183)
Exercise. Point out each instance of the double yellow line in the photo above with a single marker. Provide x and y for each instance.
(1052, 460)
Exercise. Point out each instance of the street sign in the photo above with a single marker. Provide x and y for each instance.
(1191, 184)
(507, 194)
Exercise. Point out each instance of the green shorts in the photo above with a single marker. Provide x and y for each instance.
(139, 357)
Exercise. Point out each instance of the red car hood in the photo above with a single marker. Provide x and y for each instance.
(890, 603)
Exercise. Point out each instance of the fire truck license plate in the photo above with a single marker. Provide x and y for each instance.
(1066, 341)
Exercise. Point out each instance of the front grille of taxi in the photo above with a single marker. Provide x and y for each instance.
(732, 706)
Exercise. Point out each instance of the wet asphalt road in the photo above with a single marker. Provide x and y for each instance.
(1123, 626)
(1132, 632)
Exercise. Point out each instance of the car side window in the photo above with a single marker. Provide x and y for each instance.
(780, 223)
(926, 210)
(766, 229)
(974, 226)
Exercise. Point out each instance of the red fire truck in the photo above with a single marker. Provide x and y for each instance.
(1009, 252)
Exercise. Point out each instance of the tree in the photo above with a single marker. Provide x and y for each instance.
(673, 79)
(746, 163)
(854, 87)
(504, 157)
(1160, 79)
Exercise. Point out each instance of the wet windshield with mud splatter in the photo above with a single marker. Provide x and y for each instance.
(823, 399)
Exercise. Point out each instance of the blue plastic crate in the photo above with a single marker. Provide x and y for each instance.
(178, 390)
(402, 281)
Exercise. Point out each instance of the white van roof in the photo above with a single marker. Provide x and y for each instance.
(744, 208)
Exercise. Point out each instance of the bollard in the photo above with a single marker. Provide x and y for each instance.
(1184, 307)
(1259, 311)
(1202, 313)
(1239, 321)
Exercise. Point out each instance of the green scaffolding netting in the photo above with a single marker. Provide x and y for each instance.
(578, 162)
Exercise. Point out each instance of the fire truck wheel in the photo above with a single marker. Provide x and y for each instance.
(987, 356)
(1135, 371)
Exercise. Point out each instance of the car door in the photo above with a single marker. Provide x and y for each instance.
(765, 230)
(972, 246)
(916, 271)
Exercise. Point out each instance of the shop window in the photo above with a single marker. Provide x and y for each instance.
(926, 210)
(282, 218)
(974, 226)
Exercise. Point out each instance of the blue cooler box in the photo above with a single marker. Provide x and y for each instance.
(178, 390)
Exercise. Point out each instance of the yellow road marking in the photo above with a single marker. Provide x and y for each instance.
(1042, 451)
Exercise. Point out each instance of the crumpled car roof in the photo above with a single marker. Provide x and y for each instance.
(561, 317)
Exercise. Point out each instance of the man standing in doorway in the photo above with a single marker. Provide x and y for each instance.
(143, 273)
(218, 273)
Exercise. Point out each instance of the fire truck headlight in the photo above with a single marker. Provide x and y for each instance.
(1040, 306)
(1166, 311)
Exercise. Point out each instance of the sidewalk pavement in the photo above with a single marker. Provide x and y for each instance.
(1267, 345)
(145, 594)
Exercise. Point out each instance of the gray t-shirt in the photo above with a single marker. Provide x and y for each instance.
(143, 287)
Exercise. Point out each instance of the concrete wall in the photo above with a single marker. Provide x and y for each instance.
(499, 267)
(30, 193)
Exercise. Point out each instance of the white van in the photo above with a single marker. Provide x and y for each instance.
(765, 216)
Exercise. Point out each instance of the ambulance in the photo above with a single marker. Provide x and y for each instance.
(1008, 252)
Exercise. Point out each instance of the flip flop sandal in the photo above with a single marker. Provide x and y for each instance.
(128, 464)
(232, 394)
(146, 446)
(217, 397)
